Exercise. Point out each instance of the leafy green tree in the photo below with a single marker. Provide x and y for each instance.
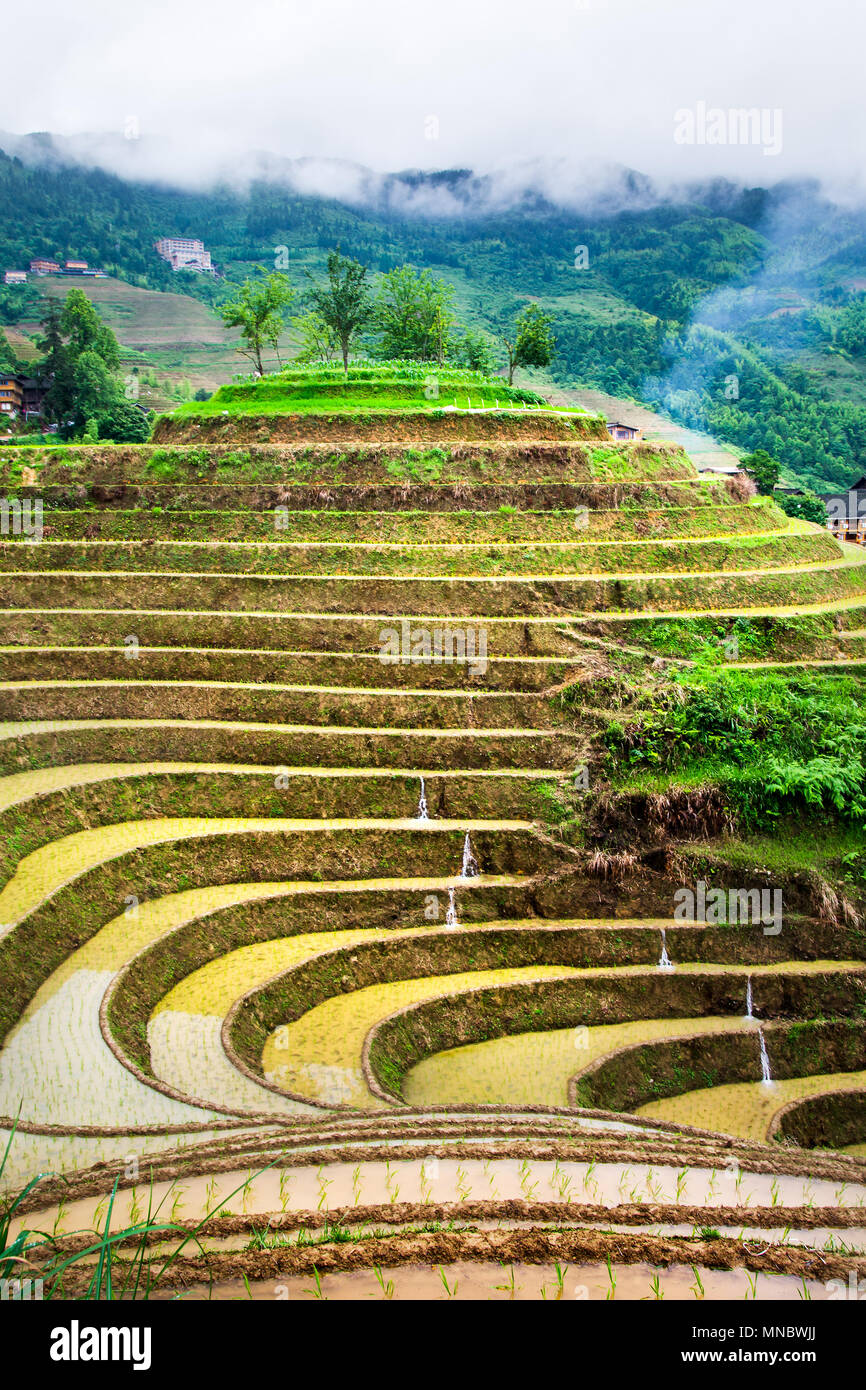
(259, 310)
(344, 304)
(84, 330)
(79, 365)
(531, 343)
(56, 368)
(123, 422)
(763, 469)
(414, 315)
(809, 507)
(318, 341)
(473, 351)
(94, 386)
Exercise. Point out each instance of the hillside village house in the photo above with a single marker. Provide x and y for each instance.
(42, 267)
(21, 395)
(846, 512)
(620, 431)
(185, 253)
(15, 277)
(11, 396)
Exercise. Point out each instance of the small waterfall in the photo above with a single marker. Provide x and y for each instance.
(423, 813)
(451, 915)
(665, 962)
(766, 1074)
(470, 863)
(749, 1013)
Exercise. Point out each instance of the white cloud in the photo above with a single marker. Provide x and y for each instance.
(506, 81)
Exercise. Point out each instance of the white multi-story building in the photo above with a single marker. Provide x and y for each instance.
(185, 253)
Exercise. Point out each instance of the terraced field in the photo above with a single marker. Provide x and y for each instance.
(308, 937)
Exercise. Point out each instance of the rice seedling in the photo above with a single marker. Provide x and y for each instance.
(803, 1292)
(324, 1184)
(285, 1188)
(356, 1184)
(59, 1218)
(426, 1187)
(246, 1190)
(682, 1179)
(463, 1187)
(509, 1287)
(135, 1211)
(494, 1191)
(317, 1290)
(611, 1278)
(387, 1287)
(391, 1185)
(450, 1291)
(528, 1189)
(752, 1281)
(697, 1287)
(656, 1288)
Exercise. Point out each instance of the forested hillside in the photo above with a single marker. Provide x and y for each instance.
(730, 310)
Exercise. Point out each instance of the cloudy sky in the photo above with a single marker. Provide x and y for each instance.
(482, 83)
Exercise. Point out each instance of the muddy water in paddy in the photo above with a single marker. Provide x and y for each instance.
(535, 1068)
(521, 1283)
(333, 1186)
(746, 1108)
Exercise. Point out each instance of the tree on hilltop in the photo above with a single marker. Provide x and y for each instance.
(531, 343)
(344, 304)
(763, 469)
(80, 363)
(318, 342)
(259, 310)
(414, 315)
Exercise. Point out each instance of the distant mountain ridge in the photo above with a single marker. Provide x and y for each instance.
(737, 309)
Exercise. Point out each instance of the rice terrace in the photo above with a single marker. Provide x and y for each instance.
(432, 858)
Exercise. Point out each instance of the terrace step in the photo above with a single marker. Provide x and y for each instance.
(251, 527)
(37, 807)
(750, 1109)
(386, 559)
(41, 743)
(337, 1031)
(538, 595)
(308, 706)
(407, 496)
(530, 636)
(340, 669)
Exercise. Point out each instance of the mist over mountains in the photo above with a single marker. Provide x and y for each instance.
(680, 290)
(539, 186)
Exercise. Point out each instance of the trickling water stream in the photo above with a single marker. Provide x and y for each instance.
(766, 1074)
(451, 914)
(423, 813)
(470, 863)
(665, 962)
(749, 1013)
